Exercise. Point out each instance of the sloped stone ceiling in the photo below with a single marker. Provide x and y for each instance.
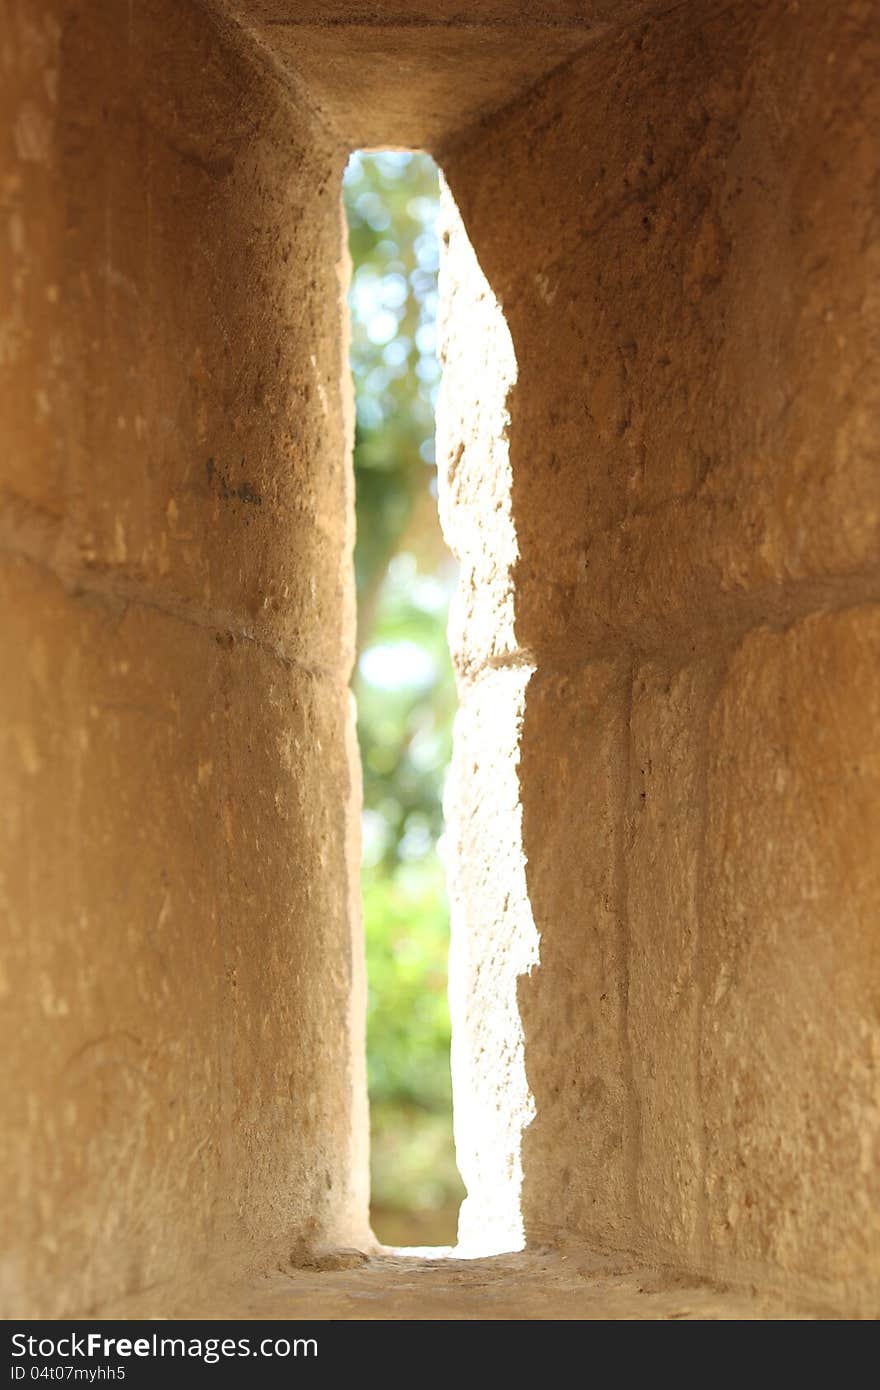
(416, 75)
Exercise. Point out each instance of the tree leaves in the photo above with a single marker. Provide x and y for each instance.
(404, 683)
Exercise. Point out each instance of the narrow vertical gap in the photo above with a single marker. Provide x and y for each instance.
(405, 693)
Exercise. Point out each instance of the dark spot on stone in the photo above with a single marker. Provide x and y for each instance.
(243, 493)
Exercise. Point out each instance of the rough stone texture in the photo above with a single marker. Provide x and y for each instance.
(413, 74)
(572, 775)
(479, 373)
(688, 266)
(176, 357)
(402, 1285)
(197, 1093)
(659, 432)
(182, 1014)
(494, 946)
(791, 1032)
(678, 234)
(665, 817)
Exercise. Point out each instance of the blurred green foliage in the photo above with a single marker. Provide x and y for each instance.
(405, 692)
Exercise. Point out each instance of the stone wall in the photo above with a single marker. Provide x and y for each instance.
(674, 638)
(661, 474)
(182, 984)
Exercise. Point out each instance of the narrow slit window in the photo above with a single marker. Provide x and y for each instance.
(405, 693)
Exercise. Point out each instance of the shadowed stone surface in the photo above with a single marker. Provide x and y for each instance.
(537, 1285)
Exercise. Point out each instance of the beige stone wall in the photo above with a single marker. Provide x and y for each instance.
(680, 228)
(659, 425)
(181, 987)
